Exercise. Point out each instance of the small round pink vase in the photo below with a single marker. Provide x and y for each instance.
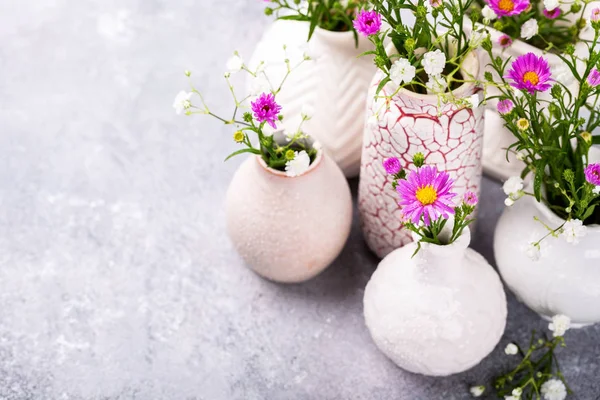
(289, 229)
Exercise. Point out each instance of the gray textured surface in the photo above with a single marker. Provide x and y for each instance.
(117, 280)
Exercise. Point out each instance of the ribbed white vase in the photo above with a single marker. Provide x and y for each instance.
(437, 313)
(334, 84)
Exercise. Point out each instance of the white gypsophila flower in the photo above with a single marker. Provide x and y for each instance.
(533, 251)
(559, 325)
(434, 62)
(521, 156)
(508, 202)
(488, 13)
(298, 165)
(436, 84)
(596, 190)
(564, 75)
(517, 392)
(307, 111)
(477, 38)
(573, 230)
(512, 398)
(511, 349)
(554, 389)
(474, 100)
(182, 101)
(235, 63)
(529, 29)
(477, 391)
(513, 186)
(402, 71)
(550, 5)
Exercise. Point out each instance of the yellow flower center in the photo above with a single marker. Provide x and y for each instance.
(531, 77)
(506, 5)
(426, 195)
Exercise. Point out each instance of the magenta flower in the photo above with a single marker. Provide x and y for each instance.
(592, 174)
(392, 165)
(530, 73)
(367, 23)
(505, 106)
(595, 15)
(265, 109)
(470, 198)
(594, 78)
(505, 41)
(507, 8)
(427, 193)
(552, 14)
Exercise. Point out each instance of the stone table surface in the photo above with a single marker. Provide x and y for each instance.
(117, 279)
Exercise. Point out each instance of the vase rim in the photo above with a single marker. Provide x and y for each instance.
(281, 174)
(458, 246)
(343, 38)
(552, 217)
(458, 92)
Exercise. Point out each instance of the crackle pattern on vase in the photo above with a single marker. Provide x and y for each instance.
(451, 138)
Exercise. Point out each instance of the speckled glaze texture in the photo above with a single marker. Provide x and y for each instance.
(565, 280)
(438, 313)
(451, 138)
(334, 83)
(288, 229)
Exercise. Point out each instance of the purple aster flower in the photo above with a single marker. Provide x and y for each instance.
(265, 109)
(470, 198)
(426, 193)
(505, 106)
(594, 78)
(367, 23)
(530, 73)
(392, 165)
(592, 174)
(505, 41)
(552, 14)
(507, 8)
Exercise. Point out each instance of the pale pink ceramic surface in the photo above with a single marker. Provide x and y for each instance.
(451, 138)
(288, 229)
(437, 313)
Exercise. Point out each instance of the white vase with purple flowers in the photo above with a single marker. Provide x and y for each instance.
(434, 307)
(543, 27)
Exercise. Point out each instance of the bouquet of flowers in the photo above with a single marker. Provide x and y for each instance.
(292, 152)
(546, 24)
(426, 201)
(553, 133)
(427, 57)
(331, 15)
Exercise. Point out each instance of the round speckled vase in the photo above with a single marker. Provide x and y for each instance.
(289, 229)
(566, 278)
(334, 84)
(437, 313)
(450, 137)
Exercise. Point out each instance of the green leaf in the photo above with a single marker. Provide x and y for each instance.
(383, 82)
(588, 212)
(242, 151)
(596, 139)
(538, 180)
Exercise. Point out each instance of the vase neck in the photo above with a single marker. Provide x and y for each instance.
(444, 256)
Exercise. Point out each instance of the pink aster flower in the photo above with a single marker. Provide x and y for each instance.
(505, 41)
(427, 193)
(505, 106)
(392, 165)
(552, 14)
(595, 15)
(592, 174)
(265, 109)
(530, 73)
(367, 23)
(507, 8)
(594, 78)
(470, 198)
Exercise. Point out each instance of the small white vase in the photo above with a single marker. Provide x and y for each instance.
(566, 278)
(334, 84)
(288, 229)
(450, 137)
(437, 313)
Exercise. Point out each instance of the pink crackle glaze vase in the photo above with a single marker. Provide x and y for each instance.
(450, 137)
(289, 229)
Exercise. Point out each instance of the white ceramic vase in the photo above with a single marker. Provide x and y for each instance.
(334, 84)
(566, 278)
(497, 138)
(450, 137)
(288, 229)
(437, 313)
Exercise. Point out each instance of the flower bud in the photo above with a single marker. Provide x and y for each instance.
(587, 137)
(418, 160)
